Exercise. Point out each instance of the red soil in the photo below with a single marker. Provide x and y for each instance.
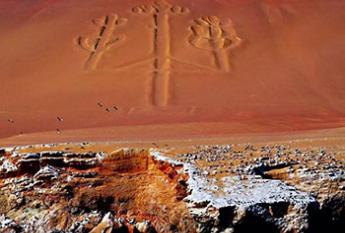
(285, 72)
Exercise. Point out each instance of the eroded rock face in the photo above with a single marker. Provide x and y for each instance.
(126, 190)
(47, 173)
(252, 204)
(211, 189)
(265, 189)
(32, 162)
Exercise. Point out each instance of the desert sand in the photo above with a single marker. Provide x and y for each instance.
(193, 68)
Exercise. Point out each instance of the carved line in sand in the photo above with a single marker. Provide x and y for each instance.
(160, 13)
(210, 34)
(104, 40)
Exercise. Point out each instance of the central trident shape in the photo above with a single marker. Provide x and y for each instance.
(160, 12)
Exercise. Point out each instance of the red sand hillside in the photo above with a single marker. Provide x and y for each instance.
(253, 66)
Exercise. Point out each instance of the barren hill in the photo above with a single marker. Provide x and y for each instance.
(251, 66)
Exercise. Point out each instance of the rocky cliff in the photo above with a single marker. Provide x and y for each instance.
(228, 188)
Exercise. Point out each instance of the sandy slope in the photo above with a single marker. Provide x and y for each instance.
(278, 67)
